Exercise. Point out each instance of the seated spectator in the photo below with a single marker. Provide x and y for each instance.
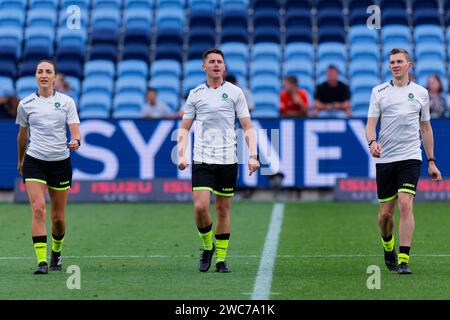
(8, 104)
(62, 85)
(293, 100)
(438, 106)
(247, 93)
(332, 98)
(155, 108)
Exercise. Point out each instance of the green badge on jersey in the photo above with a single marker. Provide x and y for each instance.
(411, 96)
(224, 96)
(57, 105)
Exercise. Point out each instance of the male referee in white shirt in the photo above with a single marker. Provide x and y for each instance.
(214, 106)
(403, 110)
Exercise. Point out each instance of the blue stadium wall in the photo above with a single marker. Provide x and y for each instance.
(310, 153)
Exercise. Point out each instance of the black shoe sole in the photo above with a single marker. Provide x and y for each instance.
(55, 268)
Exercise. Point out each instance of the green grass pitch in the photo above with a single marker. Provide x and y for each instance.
(150, 251)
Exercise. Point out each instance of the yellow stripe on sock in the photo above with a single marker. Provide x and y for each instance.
(207, 240)
(403, 257)
(57, 244)
(389, 245)
(221, 249)
(41, 251)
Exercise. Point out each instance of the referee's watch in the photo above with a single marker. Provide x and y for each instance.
(254, 157)
(432, 160)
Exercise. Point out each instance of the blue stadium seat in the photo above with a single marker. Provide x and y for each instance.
(40, 36)
(202, 19)
(298, 51)
(234, 5)
(71, 37)
(418, 5)
(202, 36)
(25, 86)
(193, 68)
(387, 5)
(332, 51)
(358, 16)
(82, 4)
(37, 52)
(170, 18)
(95, 105)
(132, 68)
(75, 86)
(99, 68)
(395, 33)
(332, 5)
(266, 34)
(170, 4)
(12, 18)
(265, 84)
(428, 34)
(208, 5)
(138, 18)
(301, 68)
(425, 68)
(273, 5)
(98, 84)
(330, 18)
(298, 18)
(234, 34)
(41, 18)
(192, 82)
(266, 18)
(73, 68)
(297, 4)
(7, 86)
(239, 68)
(131, 85)
(363, 83)
(105, 36)
(235, 50)
(359, 4)
(168, 51)
(430, 51)
(170, 99)
(8, 69)
(366, 51)
(43, 4)
(360, 104)
(265, 68)
(136, 51)
(137, 36)
(146, 5)
(331, 34)
(364, 67)
(426, 16)
(166, 68)
(105, 18)
(166, 84)
(106, 4)
(70, 53)
(266, 105)
(294, 35)
(103, 52)
(394, 16)
(266, 51)
(13, 4)
(128, 106)
(74, 19)
(169, 36)
(234, 18)
(360, 34)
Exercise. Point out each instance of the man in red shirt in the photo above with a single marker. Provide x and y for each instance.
(293, 100)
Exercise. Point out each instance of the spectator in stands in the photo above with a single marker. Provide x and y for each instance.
(332, 95)
(155, 108)
(8, 104)
(247, 93)
(62, 85)
(293, 100)
(438, 105)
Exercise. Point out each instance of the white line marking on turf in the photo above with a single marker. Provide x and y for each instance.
(263, 282)
(306, 256)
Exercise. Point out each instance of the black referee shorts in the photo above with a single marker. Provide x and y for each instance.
(56, 175)
(217, 178)
(395, 177)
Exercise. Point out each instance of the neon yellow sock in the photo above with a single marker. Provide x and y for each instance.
(403, 257)
(57, 244)
(207, 240)
(221, 249)
(41, 251)
(389, 245)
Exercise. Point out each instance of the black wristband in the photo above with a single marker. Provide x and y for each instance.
(432, 160)
(79, 142)
(371, 141)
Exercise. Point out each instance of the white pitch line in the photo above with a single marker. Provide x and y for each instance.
(263, 282)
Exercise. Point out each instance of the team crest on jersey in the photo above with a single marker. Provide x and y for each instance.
(57, 105)
(225, 97)
(411, 96)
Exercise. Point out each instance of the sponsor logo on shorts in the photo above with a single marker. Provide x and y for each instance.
(64, 182)
(409, 185)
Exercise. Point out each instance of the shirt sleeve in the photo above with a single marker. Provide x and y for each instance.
(425, 108)
(374, 106)
(72, 114)
(189, 108)
(22, 116)
(241, 107)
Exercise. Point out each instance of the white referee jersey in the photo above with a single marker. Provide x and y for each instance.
(214, 112)
(400, 110)
(47, 119)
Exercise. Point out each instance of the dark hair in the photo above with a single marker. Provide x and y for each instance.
(212, 50)
(333, 67)
(291, 79)
(399, 50)
(151, 89)
(48, 61)
(438, 80)
(231, 78)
